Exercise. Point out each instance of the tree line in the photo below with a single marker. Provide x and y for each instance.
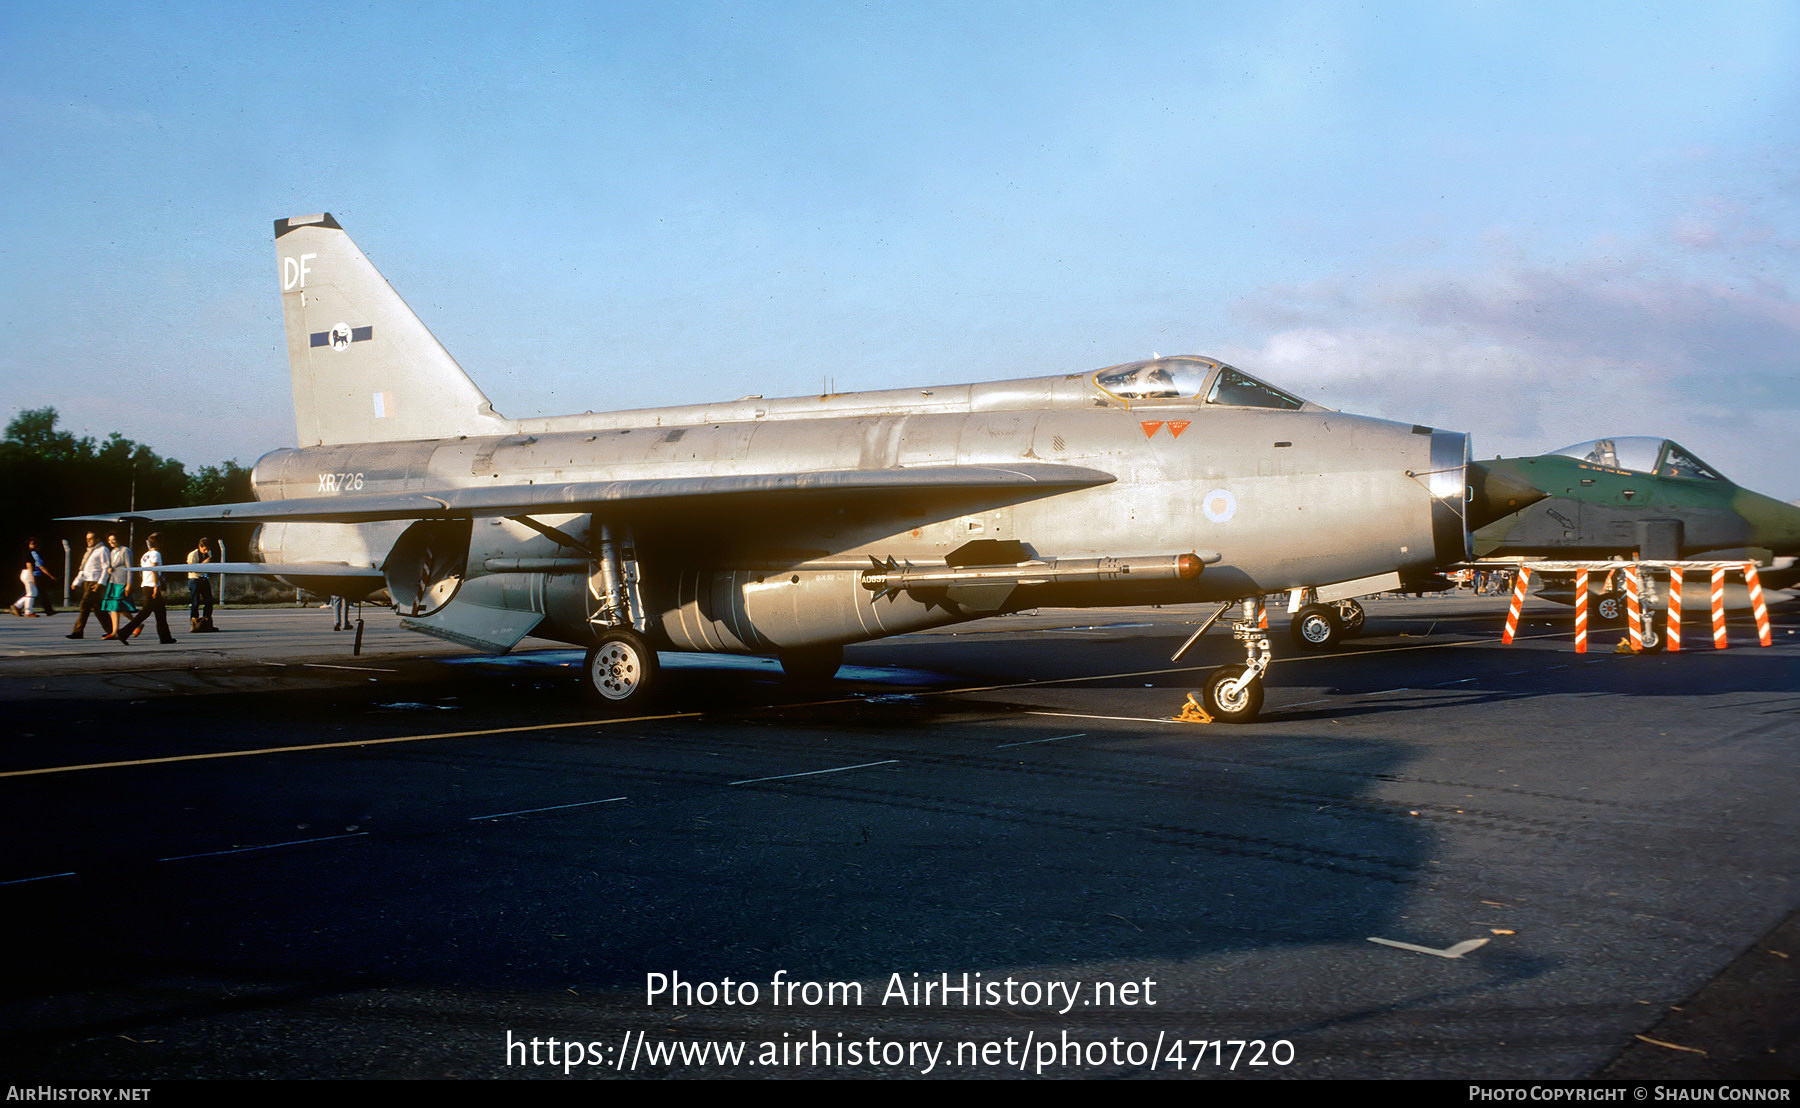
(50, 474)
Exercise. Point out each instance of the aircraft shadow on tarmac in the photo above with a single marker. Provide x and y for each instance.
(962, 857)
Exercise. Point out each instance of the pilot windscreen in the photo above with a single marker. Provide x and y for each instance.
(1679, 463)
(1244, 391)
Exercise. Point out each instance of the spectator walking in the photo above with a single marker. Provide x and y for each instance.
(92, 581)
(117, 602)
(154, 588)
(27, 605)
(41, 576)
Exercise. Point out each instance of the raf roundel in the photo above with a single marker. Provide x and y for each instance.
(1219, 505)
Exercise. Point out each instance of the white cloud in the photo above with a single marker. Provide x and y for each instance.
(1530, 359)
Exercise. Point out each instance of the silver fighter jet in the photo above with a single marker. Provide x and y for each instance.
(790, 527)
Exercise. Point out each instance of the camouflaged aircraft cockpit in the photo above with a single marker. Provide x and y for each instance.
(1637, 495)
(1642, 454)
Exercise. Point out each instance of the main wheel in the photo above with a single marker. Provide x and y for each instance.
(1611, 607)
(1242, 708)
(813, 665)
(1350, 614)
(1315, 627)
(621, 669)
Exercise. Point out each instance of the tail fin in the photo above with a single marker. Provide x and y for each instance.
(365, 369)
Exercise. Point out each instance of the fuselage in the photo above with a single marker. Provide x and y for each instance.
(1285, 496)
(1597, 510)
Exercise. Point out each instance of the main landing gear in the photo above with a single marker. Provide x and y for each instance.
(1234, 694)
(1315, 627)
(621, 671)
(1318, 626)
(621, 668)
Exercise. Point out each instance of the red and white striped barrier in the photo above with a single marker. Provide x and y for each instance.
(1518, 601)
(1581, 611)
(1757, 607)
(1718, 607)
(1634, 608)
(1674, 625)
(1635, 590)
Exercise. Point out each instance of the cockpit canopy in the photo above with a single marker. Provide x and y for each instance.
(1642, 454)
(1188, 378)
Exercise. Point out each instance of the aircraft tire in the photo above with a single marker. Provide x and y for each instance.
(1610, 608)
(813, 665)
(621, 670)
(1655, 636)
(1315, 627)
(1350, 614)
(1244, 708)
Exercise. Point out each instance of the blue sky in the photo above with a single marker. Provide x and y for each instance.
(1538, 223)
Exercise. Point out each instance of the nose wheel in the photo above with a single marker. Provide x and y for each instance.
(1232, 694)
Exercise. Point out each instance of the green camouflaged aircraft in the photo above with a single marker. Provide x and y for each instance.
(1645, 497)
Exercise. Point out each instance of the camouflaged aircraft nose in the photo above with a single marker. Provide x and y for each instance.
(1498, 489)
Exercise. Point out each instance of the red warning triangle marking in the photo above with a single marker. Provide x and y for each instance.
(1150, 427)
(1177, 426)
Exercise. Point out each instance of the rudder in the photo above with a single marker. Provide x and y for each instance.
(365, 369)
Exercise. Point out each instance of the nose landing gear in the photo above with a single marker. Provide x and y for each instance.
(1234, 694)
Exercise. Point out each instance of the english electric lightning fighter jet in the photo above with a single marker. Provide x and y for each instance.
(1645, 497)
(791, 527)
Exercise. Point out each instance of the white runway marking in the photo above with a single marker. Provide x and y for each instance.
(1456, 951)
(816, 772)
(1095, 627)
(1121, 719)
(262, 846)
(40, 877)
(550, 808)
(1034, 742)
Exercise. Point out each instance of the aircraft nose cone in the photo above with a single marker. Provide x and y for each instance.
(1497, 490)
